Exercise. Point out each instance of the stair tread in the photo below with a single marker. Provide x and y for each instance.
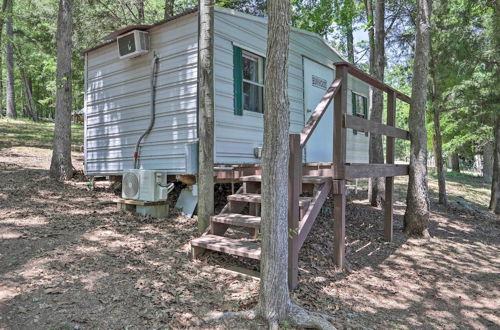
(256, 198)
(243, 220)
(242, 248)
(305, 179)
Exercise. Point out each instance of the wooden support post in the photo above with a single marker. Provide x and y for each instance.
(339, 202)
(294, 190)
(389, 181)
(339, 159)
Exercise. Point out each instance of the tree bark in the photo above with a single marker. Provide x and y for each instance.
(140, 11)
(274, 299)
(61, 167)
(488, 161)
(205, 115)
(350, 41)
(376, 186)
(417, 210)
(2, 21)
(371, 32)
(169, 9)
(455, 162)
(438, 154)
(495, 183)
(11, 101)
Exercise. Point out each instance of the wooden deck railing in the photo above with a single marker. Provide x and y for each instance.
(340, 170)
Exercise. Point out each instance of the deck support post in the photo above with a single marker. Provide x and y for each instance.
(294, 191)
(338, 166)
(389, 181)
(339, 203)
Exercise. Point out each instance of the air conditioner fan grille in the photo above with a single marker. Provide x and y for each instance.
(130, 184)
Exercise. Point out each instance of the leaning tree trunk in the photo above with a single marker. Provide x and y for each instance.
(438, 154)
(169, 9)
(495, 183)
(11, 100)
(455, 162)
(417, 210)
(61, 167)
(376, 186)
(205, 114)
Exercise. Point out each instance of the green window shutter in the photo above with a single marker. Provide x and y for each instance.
(354, 110)
(237, 81)
(365, 110)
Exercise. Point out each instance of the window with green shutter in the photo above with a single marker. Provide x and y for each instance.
(359, 108)
(248, 81)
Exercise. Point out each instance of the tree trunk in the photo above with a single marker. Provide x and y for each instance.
(140, 11)
(417, 210)
(274, 296)
(169, 8)
(28, 93)
(11, 101)
(2, 21)
(205, 115)
(488, 161)
(350, 41)
(455, 163)
(61, 167)
(495, 184)
(371, 32)
(438, 154)
(376, 186)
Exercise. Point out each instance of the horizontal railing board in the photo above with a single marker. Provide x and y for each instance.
(353, 171)
(371, 126)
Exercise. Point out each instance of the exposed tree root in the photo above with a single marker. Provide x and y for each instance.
(303, 318)
(297, 316)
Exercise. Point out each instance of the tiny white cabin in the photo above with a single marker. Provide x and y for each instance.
(118, 92)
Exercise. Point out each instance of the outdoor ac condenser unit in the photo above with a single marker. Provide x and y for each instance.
(145, 185)
(133, 43)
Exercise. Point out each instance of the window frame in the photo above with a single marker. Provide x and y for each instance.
(364, 113)
(260, 77)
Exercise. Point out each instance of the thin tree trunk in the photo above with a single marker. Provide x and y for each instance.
(350, 41)
(376, 186)
(495, 184)
(455, 162)
(2, 21)
(488, 161)
(371, 32)
(140, 11)
(61, 167)
(206, 114)
(30, 104)
(169, 8)
(438, 154)
(11, 101)
(417, 210)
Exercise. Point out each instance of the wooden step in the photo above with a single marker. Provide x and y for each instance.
(242, 248)
(305, 179)
(256, 198)
(236, 219)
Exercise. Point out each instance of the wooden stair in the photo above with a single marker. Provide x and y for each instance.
(248, 198)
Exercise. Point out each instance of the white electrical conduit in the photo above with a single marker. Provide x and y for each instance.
(154, 69)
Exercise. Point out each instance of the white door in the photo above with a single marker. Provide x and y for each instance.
(317, 79)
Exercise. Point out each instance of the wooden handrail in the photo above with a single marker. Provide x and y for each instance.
(319, 111)
(366, 125)
(352, 70)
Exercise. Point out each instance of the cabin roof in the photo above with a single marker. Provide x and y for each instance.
(112, 36)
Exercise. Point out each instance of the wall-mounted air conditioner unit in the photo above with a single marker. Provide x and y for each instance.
(145, 185)
(133, 44)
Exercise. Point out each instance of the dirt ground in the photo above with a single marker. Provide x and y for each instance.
(69, 260)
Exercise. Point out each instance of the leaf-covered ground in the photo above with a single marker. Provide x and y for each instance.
(69, 260)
